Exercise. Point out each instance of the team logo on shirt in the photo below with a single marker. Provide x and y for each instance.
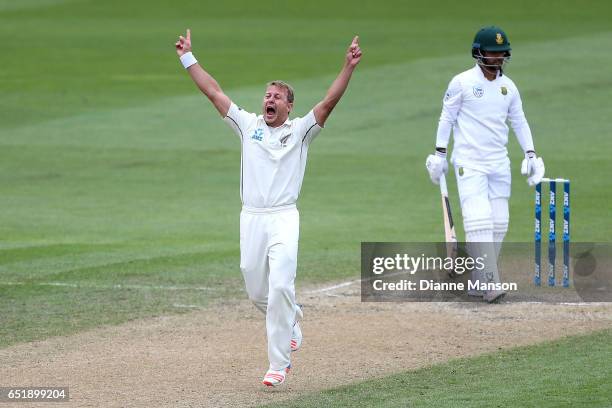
(284, 139)
(504, 90)
(478, 91)
(257, 135)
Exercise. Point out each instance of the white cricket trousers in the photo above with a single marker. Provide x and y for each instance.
(268, 261)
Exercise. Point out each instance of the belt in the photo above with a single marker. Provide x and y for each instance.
(268, 210)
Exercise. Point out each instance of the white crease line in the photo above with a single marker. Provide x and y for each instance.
(117, 286)
(338, 286)
(348, 283)
(204, 288)
(178, 305)
(70, 285)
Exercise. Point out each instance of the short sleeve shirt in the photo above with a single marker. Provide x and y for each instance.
(273, 160)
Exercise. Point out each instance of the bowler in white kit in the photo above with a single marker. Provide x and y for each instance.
(476, 107)
(273, 160)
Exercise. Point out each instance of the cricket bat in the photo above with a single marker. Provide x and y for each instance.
(449, 226)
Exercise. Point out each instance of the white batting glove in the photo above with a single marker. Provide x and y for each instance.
(436, 166)
(533, 168)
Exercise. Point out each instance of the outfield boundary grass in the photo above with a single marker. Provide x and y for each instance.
(569, 372)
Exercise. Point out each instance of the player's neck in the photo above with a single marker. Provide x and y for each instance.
(490, 74)
(277, 123)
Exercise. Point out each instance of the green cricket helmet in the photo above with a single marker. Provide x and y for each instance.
(490, 38)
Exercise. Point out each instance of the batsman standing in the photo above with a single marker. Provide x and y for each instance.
(274, 149)
(476, 107)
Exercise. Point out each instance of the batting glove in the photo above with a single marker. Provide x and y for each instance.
(533, 168)
(436, 166)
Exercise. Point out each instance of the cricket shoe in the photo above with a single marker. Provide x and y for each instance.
(274, 378)
(475, 292)
(296, 337)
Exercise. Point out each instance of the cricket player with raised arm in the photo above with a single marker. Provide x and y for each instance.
(274, 149)
(476, 107)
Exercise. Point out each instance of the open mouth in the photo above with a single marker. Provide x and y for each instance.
(270, 110)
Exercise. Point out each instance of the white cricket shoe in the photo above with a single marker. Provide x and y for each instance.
(475, 292)
(275, 378)
(494, 296)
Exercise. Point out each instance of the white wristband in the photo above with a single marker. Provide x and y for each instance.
(188, 60)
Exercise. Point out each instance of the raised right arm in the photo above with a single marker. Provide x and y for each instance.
(207, 84)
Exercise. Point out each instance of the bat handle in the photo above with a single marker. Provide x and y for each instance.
(443, 188)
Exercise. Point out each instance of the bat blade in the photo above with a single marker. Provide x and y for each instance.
(449, 225)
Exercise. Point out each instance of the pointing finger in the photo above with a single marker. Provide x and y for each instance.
(355, 40)
(188, 34)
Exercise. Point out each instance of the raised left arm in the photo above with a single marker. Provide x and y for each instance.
(323, 109)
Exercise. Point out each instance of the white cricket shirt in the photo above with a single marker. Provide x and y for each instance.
(273, 160)
(477, 109)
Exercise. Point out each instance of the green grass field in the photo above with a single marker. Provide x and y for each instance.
(573, 372)
(119, 182)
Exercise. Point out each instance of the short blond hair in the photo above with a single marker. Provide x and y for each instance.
(286, 87)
